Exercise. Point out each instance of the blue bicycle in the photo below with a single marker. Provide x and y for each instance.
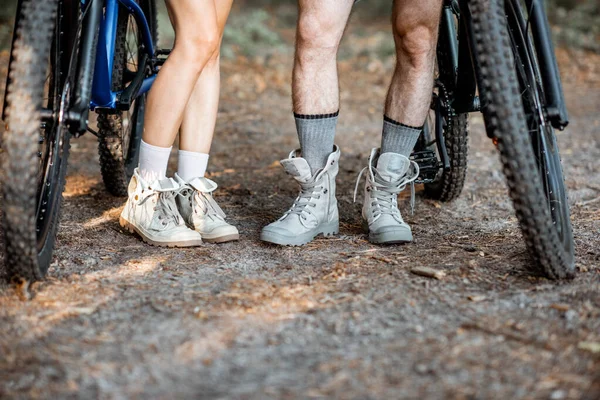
(70, 57)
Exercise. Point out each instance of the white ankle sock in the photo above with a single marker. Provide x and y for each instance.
(191, 165)
(153, 162)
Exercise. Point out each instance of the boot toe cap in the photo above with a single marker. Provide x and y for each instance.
(186, 234)
(284, 237)
(277, 230)
(221, 233)
(399, 233)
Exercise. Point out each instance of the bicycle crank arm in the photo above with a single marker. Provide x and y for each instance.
(159, 59)
(439, 137)
(127, 96)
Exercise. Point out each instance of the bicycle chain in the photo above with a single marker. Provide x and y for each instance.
(449, 113)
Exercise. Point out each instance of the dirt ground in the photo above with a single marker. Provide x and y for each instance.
(338, 318)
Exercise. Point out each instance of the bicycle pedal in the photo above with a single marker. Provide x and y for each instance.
(428, 163)
(160, 58)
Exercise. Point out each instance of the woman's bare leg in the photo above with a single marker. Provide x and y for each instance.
(195, 136)
(196, 40)
(200, 115)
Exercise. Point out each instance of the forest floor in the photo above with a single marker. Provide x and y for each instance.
(337, 318)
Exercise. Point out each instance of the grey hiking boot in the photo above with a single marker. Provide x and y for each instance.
(201, 212)
(314, 211)
(380, 208)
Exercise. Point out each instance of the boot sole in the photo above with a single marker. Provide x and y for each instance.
(390, 238)
(129, 227)
(222, 239)
(331, 229)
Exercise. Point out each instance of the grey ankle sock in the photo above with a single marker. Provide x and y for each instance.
(398, 138)
(316, 134)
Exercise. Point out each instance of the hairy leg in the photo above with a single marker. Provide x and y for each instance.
(200, 114)
(196, 40)
(321, 24)
(415, 26)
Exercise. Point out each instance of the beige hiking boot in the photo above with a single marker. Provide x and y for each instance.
(201, 212)
(152, 213)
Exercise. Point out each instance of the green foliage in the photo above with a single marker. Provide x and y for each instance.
(7, 10)
(251, 29)
(576, 22)
(249, 33)
(7, 15)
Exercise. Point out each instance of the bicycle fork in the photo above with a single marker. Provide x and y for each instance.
(77, 115)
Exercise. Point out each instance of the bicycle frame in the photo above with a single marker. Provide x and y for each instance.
(464, 81)
(102, 94)
(544, 49)
(465, 67)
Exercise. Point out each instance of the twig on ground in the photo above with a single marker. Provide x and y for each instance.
(429, 272)
(591, 201)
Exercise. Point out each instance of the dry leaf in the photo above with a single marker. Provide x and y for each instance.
(560, 307)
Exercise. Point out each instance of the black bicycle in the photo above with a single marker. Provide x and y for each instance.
(503, 49)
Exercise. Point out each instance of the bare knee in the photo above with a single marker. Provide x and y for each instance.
(197, 50)
(415, 42)
(215, 58)
(318, 37)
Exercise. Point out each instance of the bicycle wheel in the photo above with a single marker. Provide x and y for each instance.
(120, 133)
(36, 150)
(513, 112)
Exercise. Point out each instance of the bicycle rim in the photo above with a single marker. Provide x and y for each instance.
(54, 139)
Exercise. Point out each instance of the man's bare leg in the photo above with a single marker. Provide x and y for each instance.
(415, 26)
(315, 89)
(321, 24)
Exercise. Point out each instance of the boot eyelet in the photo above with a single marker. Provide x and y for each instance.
(325, 191)
(136, 197)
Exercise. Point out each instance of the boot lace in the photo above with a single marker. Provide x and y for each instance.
(304, 202)
(203, 202)
(384, 195)
(166, 209)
